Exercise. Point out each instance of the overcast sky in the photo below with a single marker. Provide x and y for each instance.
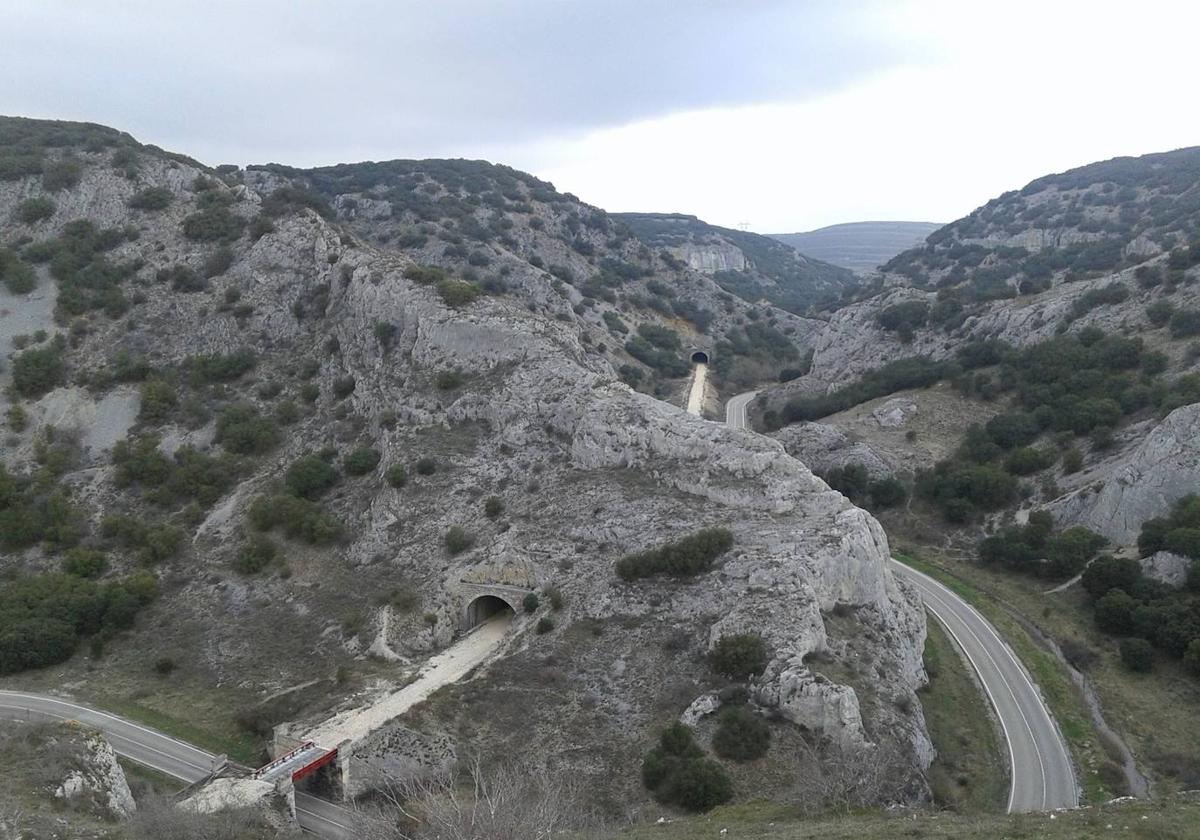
(783, 115)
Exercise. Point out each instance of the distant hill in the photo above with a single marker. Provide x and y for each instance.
(749, 265)
(858, 246)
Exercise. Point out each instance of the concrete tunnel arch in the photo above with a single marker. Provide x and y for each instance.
(700, 357)
(483, 607)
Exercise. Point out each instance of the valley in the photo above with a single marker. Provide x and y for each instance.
(450, 473)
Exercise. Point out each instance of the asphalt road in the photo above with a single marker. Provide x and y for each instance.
(735, 409)
(1041, 777)
(163, 753)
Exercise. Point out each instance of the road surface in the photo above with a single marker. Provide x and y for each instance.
(735, 409)
(163, 753)
(1042, 777)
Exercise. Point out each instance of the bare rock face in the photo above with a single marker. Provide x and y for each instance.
(811, 700)
(1166, 567)
(1162, 469)
(711, 257)
(895, 413)
(98, 776)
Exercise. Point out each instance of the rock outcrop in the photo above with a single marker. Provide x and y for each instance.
(1163, 468)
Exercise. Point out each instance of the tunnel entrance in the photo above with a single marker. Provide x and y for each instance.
(699, 358)
(483, 608)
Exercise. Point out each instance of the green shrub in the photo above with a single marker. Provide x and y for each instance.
(18, 419)
(458, 540)
(258, 553)
(426, 466)
(456, 293)
(396, 475)
(904, 318)
(84, 562)
(544, 625)
(530, 602)
(1159, 313)
(1114, 612)
(666, 362)
(310, 392)
(1107, 573)
(43, 617)
(677, 772)
(739, 656)
(243, 430)
(902, 374)
(344, 386)
(183, 279)
(220, 367)
(151, 198)
(1185, 323)
(385, 334)
(155, 543)
(686, 557)
(216, 264)
(158, 401)
(493, 506)
(310, 476)
(299, 518)
(1027, 460)
(42, 369)
(61, 175)
(216, 223)
(426, 275)
(361, 461)
(448, 380)
(1072, 461)
(17, 277)
(741, 735)
(34, 210)
(1137, 655)
(286, 413)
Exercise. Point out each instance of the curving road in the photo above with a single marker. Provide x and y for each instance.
(1041, 777)
(163, 753)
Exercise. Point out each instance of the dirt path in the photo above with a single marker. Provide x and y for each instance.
(449, 666)
(695, 403)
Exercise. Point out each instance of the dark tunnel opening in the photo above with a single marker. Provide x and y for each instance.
(699, 358)
(483, 608)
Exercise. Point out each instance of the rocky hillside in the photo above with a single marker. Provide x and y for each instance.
(755, 268)
(264, 428)
(861, 247)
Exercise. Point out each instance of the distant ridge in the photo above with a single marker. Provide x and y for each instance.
(859, 246)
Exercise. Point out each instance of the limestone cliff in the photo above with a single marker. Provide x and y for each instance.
(259, 329)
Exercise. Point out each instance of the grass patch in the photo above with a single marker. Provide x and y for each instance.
(241, 748)
(1175, 818)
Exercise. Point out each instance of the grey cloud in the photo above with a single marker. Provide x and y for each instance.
(311, 82)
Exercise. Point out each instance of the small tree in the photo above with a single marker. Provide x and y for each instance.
(361, 461)
(458, 540)
(310, 477)
(530, 603)
(493, 506)
(741, 735)
(1137, 655)
(739, 656)
(396, 476)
